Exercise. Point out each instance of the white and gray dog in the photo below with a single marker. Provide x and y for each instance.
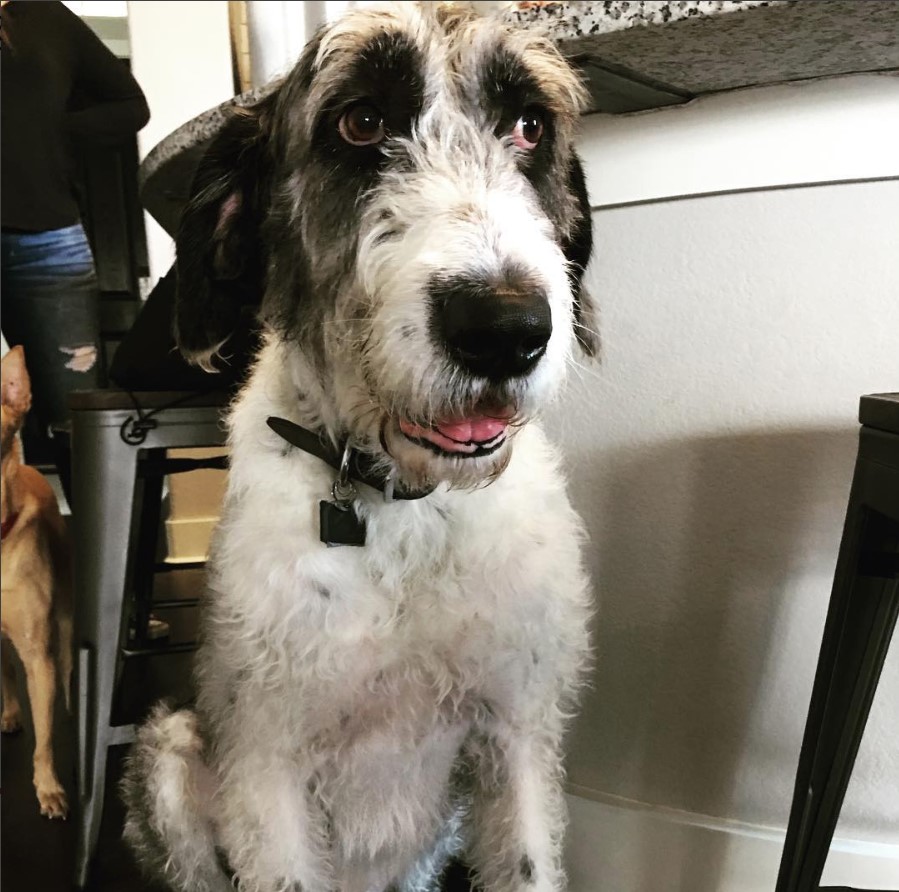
(408, 218)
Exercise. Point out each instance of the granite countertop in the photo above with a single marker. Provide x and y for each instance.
(636, 55)
(574, 20)
(642, 54)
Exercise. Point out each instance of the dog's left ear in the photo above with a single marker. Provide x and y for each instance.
(577, 249)
(220, 259)
(15, 384)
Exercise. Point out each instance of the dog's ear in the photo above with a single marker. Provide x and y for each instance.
(577, 248)
(220, 260)
(15, 384)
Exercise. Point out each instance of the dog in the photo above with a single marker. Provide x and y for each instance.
(36, 577)
(407, 216)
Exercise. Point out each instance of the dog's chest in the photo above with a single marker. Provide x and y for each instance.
(428, 624)
(449, 606)
(437, 635)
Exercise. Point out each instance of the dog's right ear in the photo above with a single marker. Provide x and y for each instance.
(220, 260)
(15, 384)
(577, 248)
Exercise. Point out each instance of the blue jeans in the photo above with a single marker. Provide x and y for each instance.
(50, 305)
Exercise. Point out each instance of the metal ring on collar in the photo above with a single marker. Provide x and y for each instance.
(343, 491)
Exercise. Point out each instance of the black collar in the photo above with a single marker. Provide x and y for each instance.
(361, 469)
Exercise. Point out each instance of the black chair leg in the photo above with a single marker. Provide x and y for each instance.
(145, 553)
(860, 622)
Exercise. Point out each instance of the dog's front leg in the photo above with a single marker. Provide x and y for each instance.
(272, 829)
(34, 647)
(518, 813)
(12, 711)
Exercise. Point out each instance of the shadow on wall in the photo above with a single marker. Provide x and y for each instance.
(714, 559)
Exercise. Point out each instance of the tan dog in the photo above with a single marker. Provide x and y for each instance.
(36, 578)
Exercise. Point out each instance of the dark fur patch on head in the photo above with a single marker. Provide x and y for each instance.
(313, 228)
(510, 90)
(388, 71)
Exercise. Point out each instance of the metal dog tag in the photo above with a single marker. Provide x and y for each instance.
(339, 525)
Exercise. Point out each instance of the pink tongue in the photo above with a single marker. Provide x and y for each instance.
(476, 430)
(463, 435)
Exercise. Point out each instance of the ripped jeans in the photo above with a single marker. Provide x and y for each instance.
(50, 304)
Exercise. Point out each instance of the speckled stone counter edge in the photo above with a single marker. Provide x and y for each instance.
(587, 18)
(194, 131)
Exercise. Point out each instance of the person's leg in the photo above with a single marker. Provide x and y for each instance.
(51, 307)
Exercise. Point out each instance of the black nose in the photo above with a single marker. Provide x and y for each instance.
(495, 331)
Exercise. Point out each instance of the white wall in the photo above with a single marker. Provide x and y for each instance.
(618, 848)
(279, 30)
(711, 453)
(181, 57)
(820, 131)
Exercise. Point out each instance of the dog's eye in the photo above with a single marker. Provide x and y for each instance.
(528, 130)
(361, 125)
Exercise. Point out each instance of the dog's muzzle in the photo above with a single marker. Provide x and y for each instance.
(493, 331)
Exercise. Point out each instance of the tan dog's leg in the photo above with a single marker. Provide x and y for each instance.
(64, 626)
(63, 602)
(62, 608)
(12, 712)
(34, 647)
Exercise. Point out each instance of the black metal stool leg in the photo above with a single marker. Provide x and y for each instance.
(104, 475)
(145, 554)
(860, 622)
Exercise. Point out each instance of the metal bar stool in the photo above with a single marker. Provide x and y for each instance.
(860, 622)
(112, 440)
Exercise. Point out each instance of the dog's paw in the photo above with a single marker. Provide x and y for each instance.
(11, 722)
(53, 802)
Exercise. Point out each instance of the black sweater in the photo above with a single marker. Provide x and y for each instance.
(60, 87)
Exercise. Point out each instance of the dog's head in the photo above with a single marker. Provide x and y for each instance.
(408, 209)
(15, 396)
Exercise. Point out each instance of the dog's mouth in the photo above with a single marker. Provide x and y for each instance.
(469, 436)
